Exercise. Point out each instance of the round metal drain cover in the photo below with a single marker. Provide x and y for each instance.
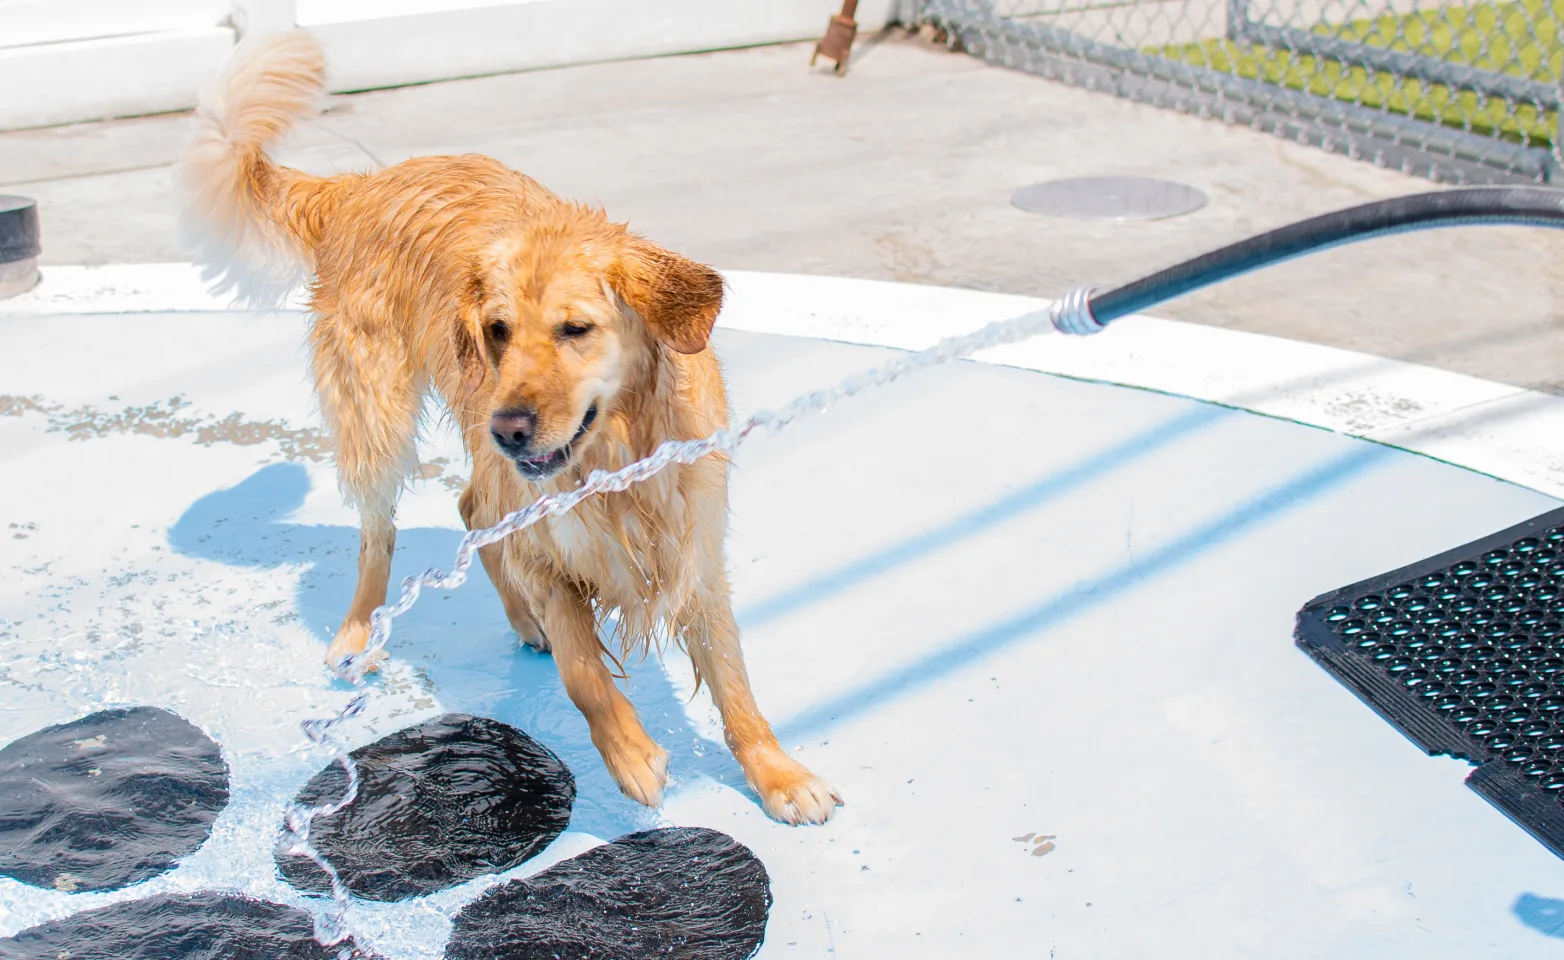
(1109, 198)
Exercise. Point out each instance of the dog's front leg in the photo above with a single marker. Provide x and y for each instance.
(788, 791)
(377, 541)
(527, 628)
(517, 610)
(635, 761)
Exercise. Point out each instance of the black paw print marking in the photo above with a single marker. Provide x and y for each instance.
(201, 926)
(108, 800)
(680, 892)
(438, 804)
(122, 795)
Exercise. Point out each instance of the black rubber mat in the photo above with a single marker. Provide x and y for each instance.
(1464, 654)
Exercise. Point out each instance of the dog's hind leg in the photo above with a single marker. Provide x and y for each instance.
(516, 609)
(371, 401)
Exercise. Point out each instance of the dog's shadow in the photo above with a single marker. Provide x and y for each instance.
(460, 642)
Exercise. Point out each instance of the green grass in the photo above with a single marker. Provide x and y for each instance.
(1514, 38)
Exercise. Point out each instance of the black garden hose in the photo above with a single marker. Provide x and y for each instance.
(1087, 312)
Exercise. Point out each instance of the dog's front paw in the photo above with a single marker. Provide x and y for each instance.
(534, 637)
(639, 766)
(789, 792)
(350, 642)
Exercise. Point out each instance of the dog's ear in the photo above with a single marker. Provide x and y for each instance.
(467, 333)
(678, 298)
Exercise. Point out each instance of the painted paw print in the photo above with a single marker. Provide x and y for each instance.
(1042, 844)
(121, 796)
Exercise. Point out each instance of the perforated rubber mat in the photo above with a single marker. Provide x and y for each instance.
(1464, 654)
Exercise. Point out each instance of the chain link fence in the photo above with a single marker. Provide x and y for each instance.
(1455, 93)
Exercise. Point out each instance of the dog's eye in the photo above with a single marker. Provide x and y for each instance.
(499, 331)
(571, 329)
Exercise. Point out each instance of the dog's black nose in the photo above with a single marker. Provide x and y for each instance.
(512, 429)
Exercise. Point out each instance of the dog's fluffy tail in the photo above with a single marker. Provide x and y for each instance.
(243, 212)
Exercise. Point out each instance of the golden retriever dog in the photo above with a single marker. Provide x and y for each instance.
(560, 342)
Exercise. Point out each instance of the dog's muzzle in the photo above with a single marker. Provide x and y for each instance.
(512, 431)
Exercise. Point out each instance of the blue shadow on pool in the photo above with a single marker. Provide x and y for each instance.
(1542, 914)
(972, 647)
(459, 642)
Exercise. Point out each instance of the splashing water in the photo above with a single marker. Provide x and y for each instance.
(332, 929)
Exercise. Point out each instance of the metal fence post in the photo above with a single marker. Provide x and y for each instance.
(1238, 20)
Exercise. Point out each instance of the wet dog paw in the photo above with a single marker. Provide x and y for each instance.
(350, 642)
(533, 637)
(640, 769)
(790, 793)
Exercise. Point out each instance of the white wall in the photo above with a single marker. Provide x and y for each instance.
(500, 38)
(113, 77)
(26, 22)
(75, 60)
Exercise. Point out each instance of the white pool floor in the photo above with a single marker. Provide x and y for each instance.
(985, 603)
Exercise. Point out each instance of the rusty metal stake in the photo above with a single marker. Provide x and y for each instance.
(837, 44)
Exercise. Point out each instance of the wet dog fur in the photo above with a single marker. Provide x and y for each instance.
(560, 342)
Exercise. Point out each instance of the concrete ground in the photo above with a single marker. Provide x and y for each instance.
(901, 171)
